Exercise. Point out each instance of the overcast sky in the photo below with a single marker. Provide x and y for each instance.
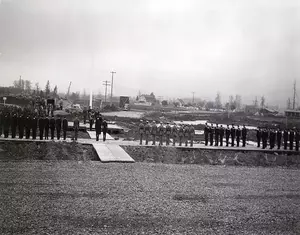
(170, 47)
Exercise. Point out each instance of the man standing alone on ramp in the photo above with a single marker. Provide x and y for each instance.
(141, 131)
(104, 129)
(98, 125)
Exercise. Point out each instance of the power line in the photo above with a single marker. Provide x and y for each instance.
(294, 97)
(106, 84)
(112, 84)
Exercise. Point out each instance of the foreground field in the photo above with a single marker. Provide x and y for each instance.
(71, 197)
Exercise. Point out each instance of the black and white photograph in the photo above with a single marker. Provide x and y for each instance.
(150, 117)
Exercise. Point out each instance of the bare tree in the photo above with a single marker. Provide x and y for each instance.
(289, 103)
(37, 87)
(27, 86)
(262, 102)
(47, 88)
(218, 103)
(238, 102)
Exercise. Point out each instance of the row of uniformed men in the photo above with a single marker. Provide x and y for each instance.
(184, 133)
(216, 134)
(265, 134)
(29, 124)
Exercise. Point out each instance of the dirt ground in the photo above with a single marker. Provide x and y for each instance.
(71, 197)
(211, 157)
(46, 151)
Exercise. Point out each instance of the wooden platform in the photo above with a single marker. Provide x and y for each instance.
(111, 153)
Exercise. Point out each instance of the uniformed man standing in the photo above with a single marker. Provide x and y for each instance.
(272, 140)
(161, 131)
(147, 132)
(217, 134)
(264, 138)
(46, 125)
(297, 139)
(104, 124)
(65, 127)
(41, 127)
(14, 124)
(285, 139)
(28, 126)
(98, 125)
(244, 135)
(206, 132)
(34, 127)
(227, 134)
(141, 131)
(186, 134)
(58, 127)
(168, 133)
(232, 133)
(153, 132)
(52, 127)
(211, 135)
(84, 115)
(191, 134)
(21, 123)
(6, 125)
(76, 127)
(278, 137)
(174, 133)
(238, 136)
(91, 120)
(221, 131)
(258, 136)
(180, 134)
(291, 139)
(1, 122)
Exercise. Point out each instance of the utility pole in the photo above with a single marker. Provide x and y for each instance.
(294, 97)
(193, 96)
(106, 84)
(112, 84)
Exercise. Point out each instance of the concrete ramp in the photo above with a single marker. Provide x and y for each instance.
(92, 135)
(111, 153)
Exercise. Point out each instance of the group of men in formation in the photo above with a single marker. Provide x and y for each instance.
(182, 133)
(215, 134)
(27, 125)
(290, 137)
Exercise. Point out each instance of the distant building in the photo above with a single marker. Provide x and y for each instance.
(292, 113)
(251, 109)
(145, 100)
(268, 112)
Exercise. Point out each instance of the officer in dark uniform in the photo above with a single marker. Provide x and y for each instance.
(221, 132)
(6, 125)
(147, 132)
(52, 127)
(285, 139)
(191, 134)
(14, 124)
(91, 120)
(278, 137)
(41, 127)
(65, 127)
(186, 131)
(1, 122)
(58, 127)
(21, 123)
(258, 136)
(211, 135)
(98, 124)
(85, 112)
(28, 126)
(238, 136)
(34, 127)
(244, 135)
(265, 138)
(232, 133)
(104, 129)
(297, 139)
(161, 131)
(46, 125)
(227, 134)
(217, 135)
(291, 139)
(206, 132)
(272, 139)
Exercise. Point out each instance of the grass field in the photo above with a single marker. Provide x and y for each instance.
(76, 197)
